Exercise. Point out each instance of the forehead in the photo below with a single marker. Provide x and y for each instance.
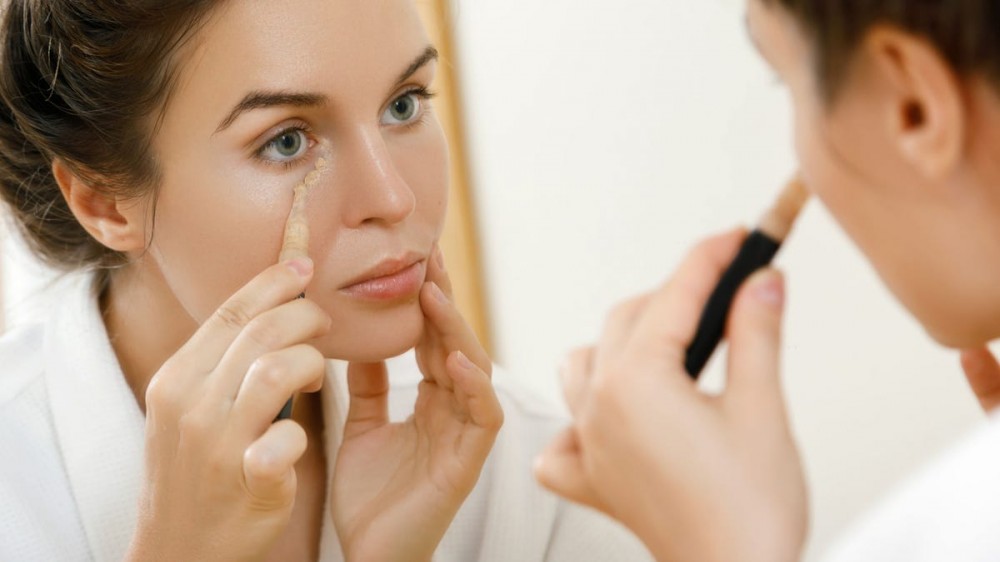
(338, 47)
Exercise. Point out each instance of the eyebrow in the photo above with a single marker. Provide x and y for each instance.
(429, 54)
(259, 99)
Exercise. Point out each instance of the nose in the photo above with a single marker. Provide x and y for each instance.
(376, 192)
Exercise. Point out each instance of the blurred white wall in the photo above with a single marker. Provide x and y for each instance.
(606, 138)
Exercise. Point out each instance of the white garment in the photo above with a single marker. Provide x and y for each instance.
(948, 511)
(71, 439)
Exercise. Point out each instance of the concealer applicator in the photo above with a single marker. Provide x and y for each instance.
(756, 252)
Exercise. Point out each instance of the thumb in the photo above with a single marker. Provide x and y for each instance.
(983, 373)
(754, 333)
(560, 469)
(368, 384)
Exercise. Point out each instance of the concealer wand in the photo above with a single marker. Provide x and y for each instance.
(757, 251)
(296, 239)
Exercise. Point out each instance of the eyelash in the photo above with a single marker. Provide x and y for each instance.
(423, 94)
(420, 91)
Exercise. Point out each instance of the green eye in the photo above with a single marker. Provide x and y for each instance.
(402, 110)
(286, 146)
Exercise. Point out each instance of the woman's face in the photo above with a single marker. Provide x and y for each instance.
(263, 89)
(927, 238)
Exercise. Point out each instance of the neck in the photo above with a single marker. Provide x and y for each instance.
(145, 323)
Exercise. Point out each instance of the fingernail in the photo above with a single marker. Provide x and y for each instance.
(463, 361)
(770, 289)
(438, 293)
(439, 257)
(301, 266)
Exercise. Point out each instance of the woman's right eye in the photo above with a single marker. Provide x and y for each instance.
(287, 146)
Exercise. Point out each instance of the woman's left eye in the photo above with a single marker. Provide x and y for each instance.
(288, 145)
(402, 110)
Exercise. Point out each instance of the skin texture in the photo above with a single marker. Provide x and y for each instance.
(207, 328)
(904, 159)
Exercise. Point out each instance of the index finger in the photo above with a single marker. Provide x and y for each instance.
(274, 286)
(671, 318)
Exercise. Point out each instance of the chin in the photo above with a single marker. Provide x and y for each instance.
(956, 328)
(372, 335)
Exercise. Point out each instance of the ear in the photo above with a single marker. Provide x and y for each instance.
(927, 109)
(116, 223)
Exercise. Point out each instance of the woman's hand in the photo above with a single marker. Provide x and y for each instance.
(220, 476)
(696, 477)
(397, 486)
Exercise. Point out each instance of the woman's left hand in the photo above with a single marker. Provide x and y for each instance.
(397, 486)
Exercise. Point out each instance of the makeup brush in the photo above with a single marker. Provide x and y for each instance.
(756, 252)
(296, 240)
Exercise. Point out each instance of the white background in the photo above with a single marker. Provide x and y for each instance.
(606, 138)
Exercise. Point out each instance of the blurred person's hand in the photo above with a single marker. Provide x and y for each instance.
(696, 477)
(983, 373)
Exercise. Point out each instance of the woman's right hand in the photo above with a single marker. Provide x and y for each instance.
(220, 473)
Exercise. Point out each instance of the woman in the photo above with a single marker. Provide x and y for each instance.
(897, 110)
(151, 148)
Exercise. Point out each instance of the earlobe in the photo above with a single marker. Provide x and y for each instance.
(925, 98)
(102, 215)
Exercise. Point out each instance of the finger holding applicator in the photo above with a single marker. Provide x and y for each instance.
(295, 243)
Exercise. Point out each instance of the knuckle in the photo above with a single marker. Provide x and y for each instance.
(262, 466)
(495, 422)
(269, 371)
(234, 314)
(604, 386)
(193, 425)
(161, 395)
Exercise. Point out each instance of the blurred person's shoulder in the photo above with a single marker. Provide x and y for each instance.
(947, 510)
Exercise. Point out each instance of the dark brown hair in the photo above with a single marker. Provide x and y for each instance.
(84, 81)
(965, 32)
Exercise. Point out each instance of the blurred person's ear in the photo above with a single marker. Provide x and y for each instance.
(923, 101)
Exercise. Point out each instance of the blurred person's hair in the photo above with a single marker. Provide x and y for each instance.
(965, 32)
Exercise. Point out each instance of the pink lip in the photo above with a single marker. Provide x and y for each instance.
(391, 279)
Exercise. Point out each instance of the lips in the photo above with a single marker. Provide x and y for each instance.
(389, 280)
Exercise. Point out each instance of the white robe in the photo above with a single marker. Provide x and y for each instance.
(71, 443)
(947, 511)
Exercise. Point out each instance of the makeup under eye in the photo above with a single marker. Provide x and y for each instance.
(406, 108)
(286, 147)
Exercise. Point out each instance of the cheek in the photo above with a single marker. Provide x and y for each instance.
(824, 168)
(423, 163)
(213, 233)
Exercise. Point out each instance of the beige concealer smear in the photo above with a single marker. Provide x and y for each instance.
(296, 239)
